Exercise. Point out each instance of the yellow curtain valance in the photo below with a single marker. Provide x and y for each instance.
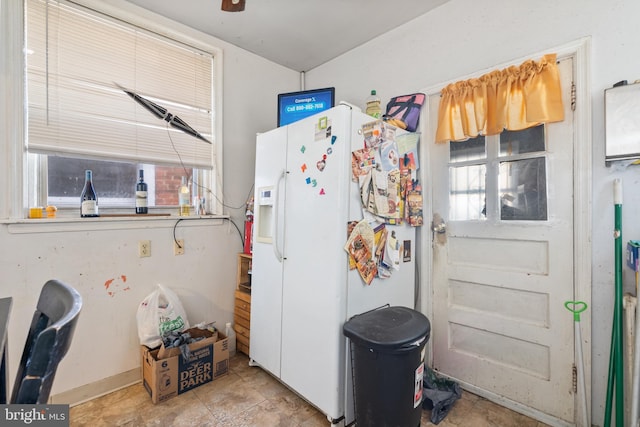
(515, 98)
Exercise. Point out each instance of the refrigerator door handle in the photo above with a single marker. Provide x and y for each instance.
(276, 251)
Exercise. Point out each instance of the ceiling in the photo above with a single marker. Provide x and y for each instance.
(298, 34)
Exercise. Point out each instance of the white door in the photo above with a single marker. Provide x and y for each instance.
(503, 264)
(315, 265)
(267, 266)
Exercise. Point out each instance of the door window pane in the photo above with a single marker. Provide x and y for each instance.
(467, 193)
(523, 190)
(471, 149)
(522, 141)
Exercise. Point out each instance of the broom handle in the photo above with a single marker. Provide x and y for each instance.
(611, 377)
(615, 355)
(619, 363)
(577, 307)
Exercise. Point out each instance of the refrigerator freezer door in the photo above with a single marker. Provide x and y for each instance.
(398, 290)
(313, 304)
(266, 293)
(400, 287)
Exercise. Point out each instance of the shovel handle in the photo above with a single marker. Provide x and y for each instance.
(576, 307)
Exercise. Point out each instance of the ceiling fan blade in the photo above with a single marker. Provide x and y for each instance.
(233, 5)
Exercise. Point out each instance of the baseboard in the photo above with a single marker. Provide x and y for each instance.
(96, 389)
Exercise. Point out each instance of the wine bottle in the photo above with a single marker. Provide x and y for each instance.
(184, 198)
(89, 198)
(141, 195)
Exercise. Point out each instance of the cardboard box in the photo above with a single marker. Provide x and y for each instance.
(171, 376)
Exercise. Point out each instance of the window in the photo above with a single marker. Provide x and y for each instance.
(467, 173)
(512, 165)
(522, 175)
(78, 62)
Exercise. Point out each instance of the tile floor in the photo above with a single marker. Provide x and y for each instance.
(249, 397)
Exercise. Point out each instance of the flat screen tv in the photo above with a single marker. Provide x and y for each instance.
(294, 106)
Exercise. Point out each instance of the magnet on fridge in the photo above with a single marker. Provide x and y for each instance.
(321, 164)
(322, 191)
(333, 139)
(314, 182)
(308, 180)
(303, 168)
(303, 149)
(329, 150)
(322, 122)
(406, 251)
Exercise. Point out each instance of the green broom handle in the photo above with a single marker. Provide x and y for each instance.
(611, 377)
(618, 308)
(618, 319)
(615, 355)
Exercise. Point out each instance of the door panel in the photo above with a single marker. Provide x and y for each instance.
(504, 268)
(315, 272)
(266, 307)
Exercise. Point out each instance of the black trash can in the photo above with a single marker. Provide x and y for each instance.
(387, 357)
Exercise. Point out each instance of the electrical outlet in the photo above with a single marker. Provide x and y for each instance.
(178, 247)
(144, 248)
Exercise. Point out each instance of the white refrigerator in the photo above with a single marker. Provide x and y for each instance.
(302, 289)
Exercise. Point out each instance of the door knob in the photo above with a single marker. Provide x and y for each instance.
(438, 225)
(438, 229)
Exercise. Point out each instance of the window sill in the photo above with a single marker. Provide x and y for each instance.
(62, 224)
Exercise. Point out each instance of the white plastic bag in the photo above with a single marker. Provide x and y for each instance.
(160, 312)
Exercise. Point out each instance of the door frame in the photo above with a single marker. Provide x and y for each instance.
(580, 51)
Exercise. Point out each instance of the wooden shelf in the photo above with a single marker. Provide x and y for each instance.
(242, 307)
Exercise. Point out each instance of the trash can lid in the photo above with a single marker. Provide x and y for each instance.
(388, 328)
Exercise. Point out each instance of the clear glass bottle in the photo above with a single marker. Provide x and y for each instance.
(231, 335)
(373, 108)
(141, 195)
(89, 197)
(184, 198)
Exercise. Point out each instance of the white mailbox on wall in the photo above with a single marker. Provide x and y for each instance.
(622, 122)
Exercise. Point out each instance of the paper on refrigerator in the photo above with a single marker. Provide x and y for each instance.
(360, 247)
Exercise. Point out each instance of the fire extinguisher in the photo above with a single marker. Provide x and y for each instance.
(248, 228)
(248, 240)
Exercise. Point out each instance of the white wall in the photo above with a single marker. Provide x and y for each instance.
(87, 257)
(102, 263)
(465, 36)
(251, 87)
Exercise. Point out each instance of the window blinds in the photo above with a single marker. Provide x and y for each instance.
(75, 60)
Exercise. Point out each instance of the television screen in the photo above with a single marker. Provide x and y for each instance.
(294, 106)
